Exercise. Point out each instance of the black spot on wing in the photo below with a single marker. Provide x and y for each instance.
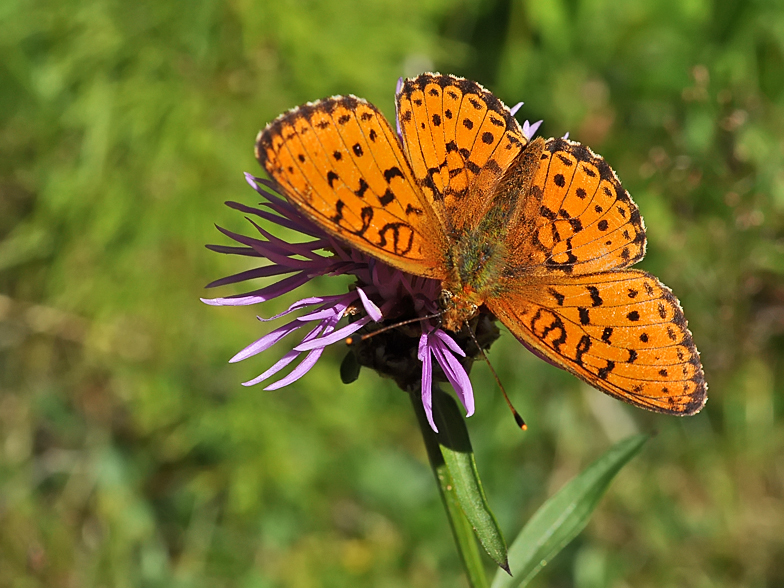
(363, 187)
(596, 299)
(386, 198)
(604, 372)
(559, 298)
(393, 172)
(582, 348)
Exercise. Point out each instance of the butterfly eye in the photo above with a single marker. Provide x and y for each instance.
(445, 299)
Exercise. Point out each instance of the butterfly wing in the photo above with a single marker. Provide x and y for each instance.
(577, 219)
(622, 332)
(567, 296)
(339, 162)
(459, 139)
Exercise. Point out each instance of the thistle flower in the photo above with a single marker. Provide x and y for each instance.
(381, 295)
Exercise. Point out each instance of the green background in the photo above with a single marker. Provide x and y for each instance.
(129, 453)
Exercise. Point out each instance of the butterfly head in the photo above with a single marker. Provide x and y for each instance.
(457, 309)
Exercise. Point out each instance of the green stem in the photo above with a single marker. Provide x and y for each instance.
(461, 529)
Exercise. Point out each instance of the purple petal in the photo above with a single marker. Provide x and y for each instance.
(529, 130)
(262, 295)
(229, 250)
(266, 341)
(285, 360)
(566, 136)
(269, 249)
(398, 90)
(302, 304)
(457, 376)
(299, 371)
(332, 311)
(251, 274)
(443, 336)
(279, 365)
(373, 311)
(515, 108)
(338, 335)
(310, 359)
(285, 217)
(279, 251)
(427, 379)
(254, 182)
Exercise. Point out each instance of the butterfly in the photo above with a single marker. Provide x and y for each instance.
(541, 233)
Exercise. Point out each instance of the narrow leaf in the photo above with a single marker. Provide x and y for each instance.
(564, 515)
(459, 458)
(465, 540)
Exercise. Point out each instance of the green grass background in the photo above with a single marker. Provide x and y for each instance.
(129, 453)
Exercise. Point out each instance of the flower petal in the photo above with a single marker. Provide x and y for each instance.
(529, 130)
(276, 367)
(251, 274)
(299, 371)
(370, 307)
(273, 291)
(427, 379)
(303, 303)
(266, 341)
(457, 376)
(338, 335)
(451, 343)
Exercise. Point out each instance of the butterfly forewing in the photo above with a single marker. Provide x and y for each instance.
(340, 163)
(459, 139)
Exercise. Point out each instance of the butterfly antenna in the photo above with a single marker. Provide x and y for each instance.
(518, 419)
(366, 336)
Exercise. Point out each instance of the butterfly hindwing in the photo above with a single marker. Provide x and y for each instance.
(622, 332)
(340, 163)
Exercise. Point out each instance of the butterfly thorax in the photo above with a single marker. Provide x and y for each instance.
(474, 265)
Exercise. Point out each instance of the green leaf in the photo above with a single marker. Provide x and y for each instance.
(564, 515)
(459, 459)
(463, 533)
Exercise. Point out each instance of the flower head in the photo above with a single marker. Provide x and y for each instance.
(381, 295)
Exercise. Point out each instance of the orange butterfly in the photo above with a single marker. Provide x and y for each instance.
(539, 232)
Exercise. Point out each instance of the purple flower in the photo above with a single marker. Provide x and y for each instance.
(381, 294)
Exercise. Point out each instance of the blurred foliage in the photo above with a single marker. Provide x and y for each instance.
(129, 453)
